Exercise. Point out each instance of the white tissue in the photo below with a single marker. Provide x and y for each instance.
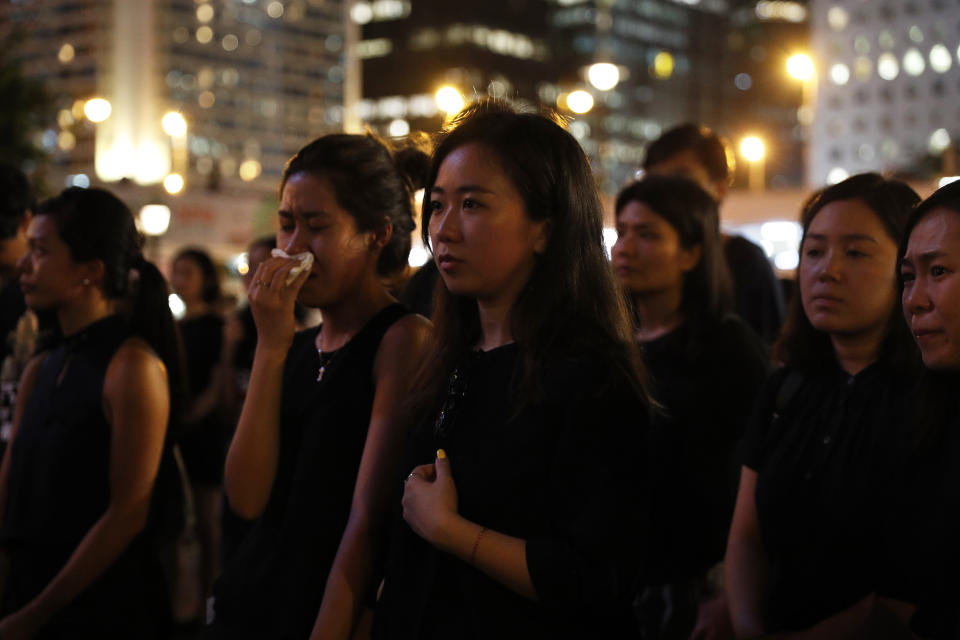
(305, 258)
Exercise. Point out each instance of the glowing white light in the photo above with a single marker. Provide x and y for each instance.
(97, 109)
(752, 148)
(66, 53)
(603, 75)
(155, 219)
(205, 13)
(419, 256)
(781, 231)
(913, 62)
(173, 183)
(940, 60)
(837, 174)
(787, 260)
(174, 124)
(241, 263)
(398, 128)
(939, 141)
(249, 170)
(275, 9)
(449, 100)
(580, 101)
(944, 181)
(81, 180)
(609, 239)
(418, 198)
(800, 66)
(177, 308)
(887, 66)
(840, 74)
(361, 13)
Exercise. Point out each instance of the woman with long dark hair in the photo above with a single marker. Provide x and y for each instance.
(706, 366)
(91, 424)
(825, 444)
(929, 525)
(525, 504)
(323, 422)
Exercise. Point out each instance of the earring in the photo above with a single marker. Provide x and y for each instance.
(86, 282)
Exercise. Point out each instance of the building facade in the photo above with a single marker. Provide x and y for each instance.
(888, 91)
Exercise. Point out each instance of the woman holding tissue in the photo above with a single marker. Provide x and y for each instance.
(316, 448)
(524, 507)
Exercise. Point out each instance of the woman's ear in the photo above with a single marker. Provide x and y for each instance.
(689, 258)
(543, 237)
(91, 271)
(379, 238)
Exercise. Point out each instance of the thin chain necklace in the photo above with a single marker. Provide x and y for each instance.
(325, 359)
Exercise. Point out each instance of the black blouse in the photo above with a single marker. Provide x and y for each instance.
(707, 391)
(273, 586)
(566, 474)
(827, 447)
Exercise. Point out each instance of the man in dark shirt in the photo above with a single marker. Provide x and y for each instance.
(697, 153)
(17, 331)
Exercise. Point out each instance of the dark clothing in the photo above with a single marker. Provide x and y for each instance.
(707, 385)
(12, 309)
(925, 526)
(59, 486)
(565, 474)
(707, 398)
(827, 447)
(758, 297)
(274, 585)
(418, 293)
(201, 443)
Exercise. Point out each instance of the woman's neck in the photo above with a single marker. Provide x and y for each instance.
(657, 313)
(345, 319)
(76, 318)
(855, 352)
(495, 327)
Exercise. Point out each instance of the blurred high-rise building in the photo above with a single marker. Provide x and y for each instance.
(248, 82)
(622, 71)
(888, 89)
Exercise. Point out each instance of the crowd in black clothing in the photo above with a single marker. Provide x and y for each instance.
(572, 446)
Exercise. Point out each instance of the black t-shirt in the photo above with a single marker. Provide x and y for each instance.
(707, 391)
(566, 474)
(827, 453)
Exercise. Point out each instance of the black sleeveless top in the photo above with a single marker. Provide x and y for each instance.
(274, 583)
(59, 486)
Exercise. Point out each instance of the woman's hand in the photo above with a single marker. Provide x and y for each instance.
(430, 501)
(272, 301)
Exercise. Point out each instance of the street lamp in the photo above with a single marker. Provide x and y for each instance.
(603, 75)
(801, 67)
(754, 152)
(97, 109)
(580, 101)
(449, 101)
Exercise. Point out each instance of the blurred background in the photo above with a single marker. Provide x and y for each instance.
(188, 109)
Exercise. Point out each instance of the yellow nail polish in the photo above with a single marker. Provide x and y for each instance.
(441, 453)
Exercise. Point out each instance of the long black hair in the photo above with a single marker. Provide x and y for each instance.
(571, 303)
(208, 271)
(800, 345)
(693, 214)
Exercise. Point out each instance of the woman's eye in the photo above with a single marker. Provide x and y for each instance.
(853, 253)
(907, 277)
(937, 271)
(470, 204)
(436, 205)
(813, 253)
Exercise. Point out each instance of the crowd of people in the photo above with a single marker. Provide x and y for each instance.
(544, 442)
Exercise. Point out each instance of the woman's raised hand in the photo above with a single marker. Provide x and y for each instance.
(272, 301)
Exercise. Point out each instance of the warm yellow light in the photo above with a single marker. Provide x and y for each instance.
(249, 170)
(752, 148)
(603, 75)
(206, 99)
(66, 141)
(173, 183)
(579, 101)
(449, 100)
(204, 35)
(800, 66)
(174, 124)
(66, 53)
(663, 65)
(205, 13)
(97, 109)
(65, 118)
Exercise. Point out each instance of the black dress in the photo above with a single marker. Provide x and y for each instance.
(707, 385)
(827, 447)
(273, 586)
(201, 443)
(59, 486)
(566, 474)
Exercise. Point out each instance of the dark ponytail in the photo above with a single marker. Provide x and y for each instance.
(96, 225)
